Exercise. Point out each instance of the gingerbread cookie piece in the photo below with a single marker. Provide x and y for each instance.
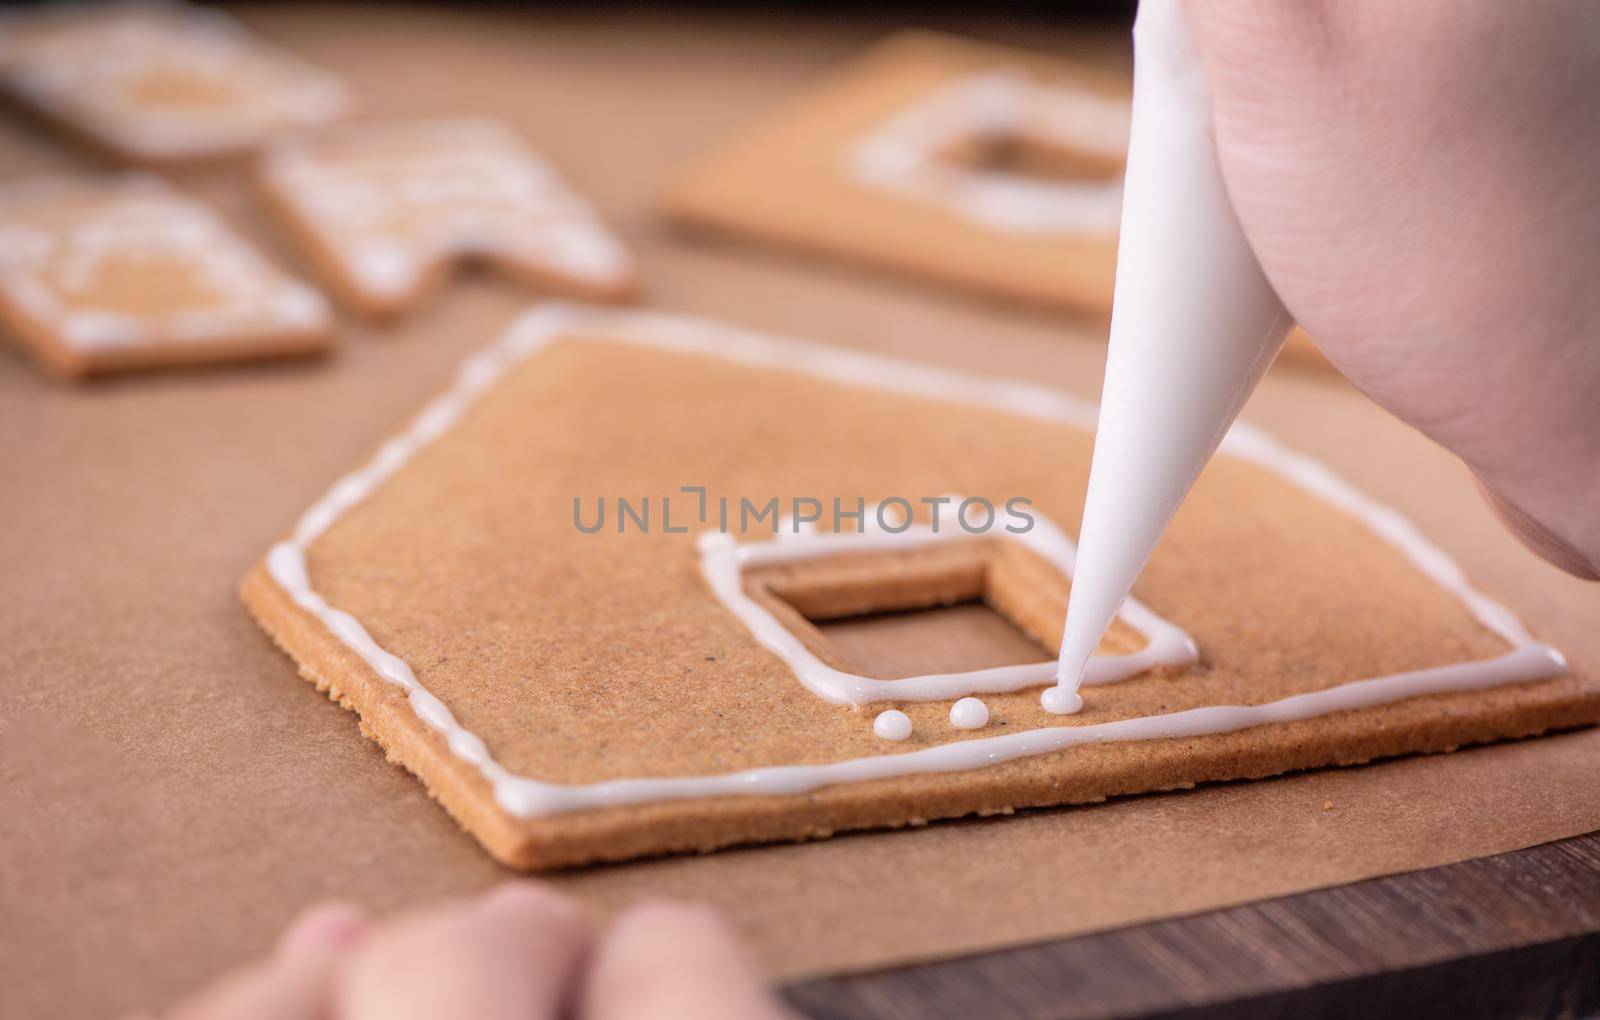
(155, 82)
(590, 596)
(385, 210)
(113, 274)
(977, 166)
(961, 162)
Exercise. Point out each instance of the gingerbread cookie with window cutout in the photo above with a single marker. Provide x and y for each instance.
(975, 166)
(101, 275)
(606, 597)
(153, 81)
(385, 211)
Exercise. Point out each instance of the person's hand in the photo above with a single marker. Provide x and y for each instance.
(522, 952)
(1421, 181)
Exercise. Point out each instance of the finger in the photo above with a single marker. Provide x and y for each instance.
(1537, 537)
(511, 955)
(675, 961)
(296, 983)
(324, 929)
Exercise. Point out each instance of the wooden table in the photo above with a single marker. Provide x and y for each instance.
(1514, 935)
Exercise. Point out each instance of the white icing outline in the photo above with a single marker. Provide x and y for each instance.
(723, 560)
(101, 45)
(343, 195)
(522, 796)
(902, 156)
(132, 215)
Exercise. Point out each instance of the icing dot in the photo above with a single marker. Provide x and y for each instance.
(892, 725)
(969, 714)
(1058, 700)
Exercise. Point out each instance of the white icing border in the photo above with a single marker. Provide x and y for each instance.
(722, 561)
(525, 797)
(902, 156)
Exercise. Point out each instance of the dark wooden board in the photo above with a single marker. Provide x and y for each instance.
(1514, 935)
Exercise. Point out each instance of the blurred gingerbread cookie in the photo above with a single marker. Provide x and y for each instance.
(980, 167)
(963, 163)
(103, 275)
(385, 210)
(156, 82)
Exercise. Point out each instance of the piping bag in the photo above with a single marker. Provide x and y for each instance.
(1194, 325)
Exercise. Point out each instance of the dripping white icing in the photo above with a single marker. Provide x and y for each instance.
(969, 714)
(904, 155)
(527, 797)
(1060, 699)
(892, 724)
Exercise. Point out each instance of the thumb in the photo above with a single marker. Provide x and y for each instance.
(1417, 181)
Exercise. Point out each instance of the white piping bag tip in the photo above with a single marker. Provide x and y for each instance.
(1194, 325)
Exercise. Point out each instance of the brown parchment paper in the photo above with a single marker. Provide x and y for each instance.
(171, 792)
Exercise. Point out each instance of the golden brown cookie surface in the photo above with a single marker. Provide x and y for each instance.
(122, 273)
(575, 686)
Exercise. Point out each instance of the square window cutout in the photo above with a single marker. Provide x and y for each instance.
(960, 638)
(1006, 151)
(921, 614)
(1021, 154)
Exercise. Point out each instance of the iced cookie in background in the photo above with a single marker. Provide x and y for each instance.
(153, 81)
(386, 210)
(576, 682)
(116, 274)
(962, 162)
(981, 167)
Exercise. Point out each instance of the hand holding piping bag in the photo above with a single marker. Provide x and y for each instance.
(1416, 184)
